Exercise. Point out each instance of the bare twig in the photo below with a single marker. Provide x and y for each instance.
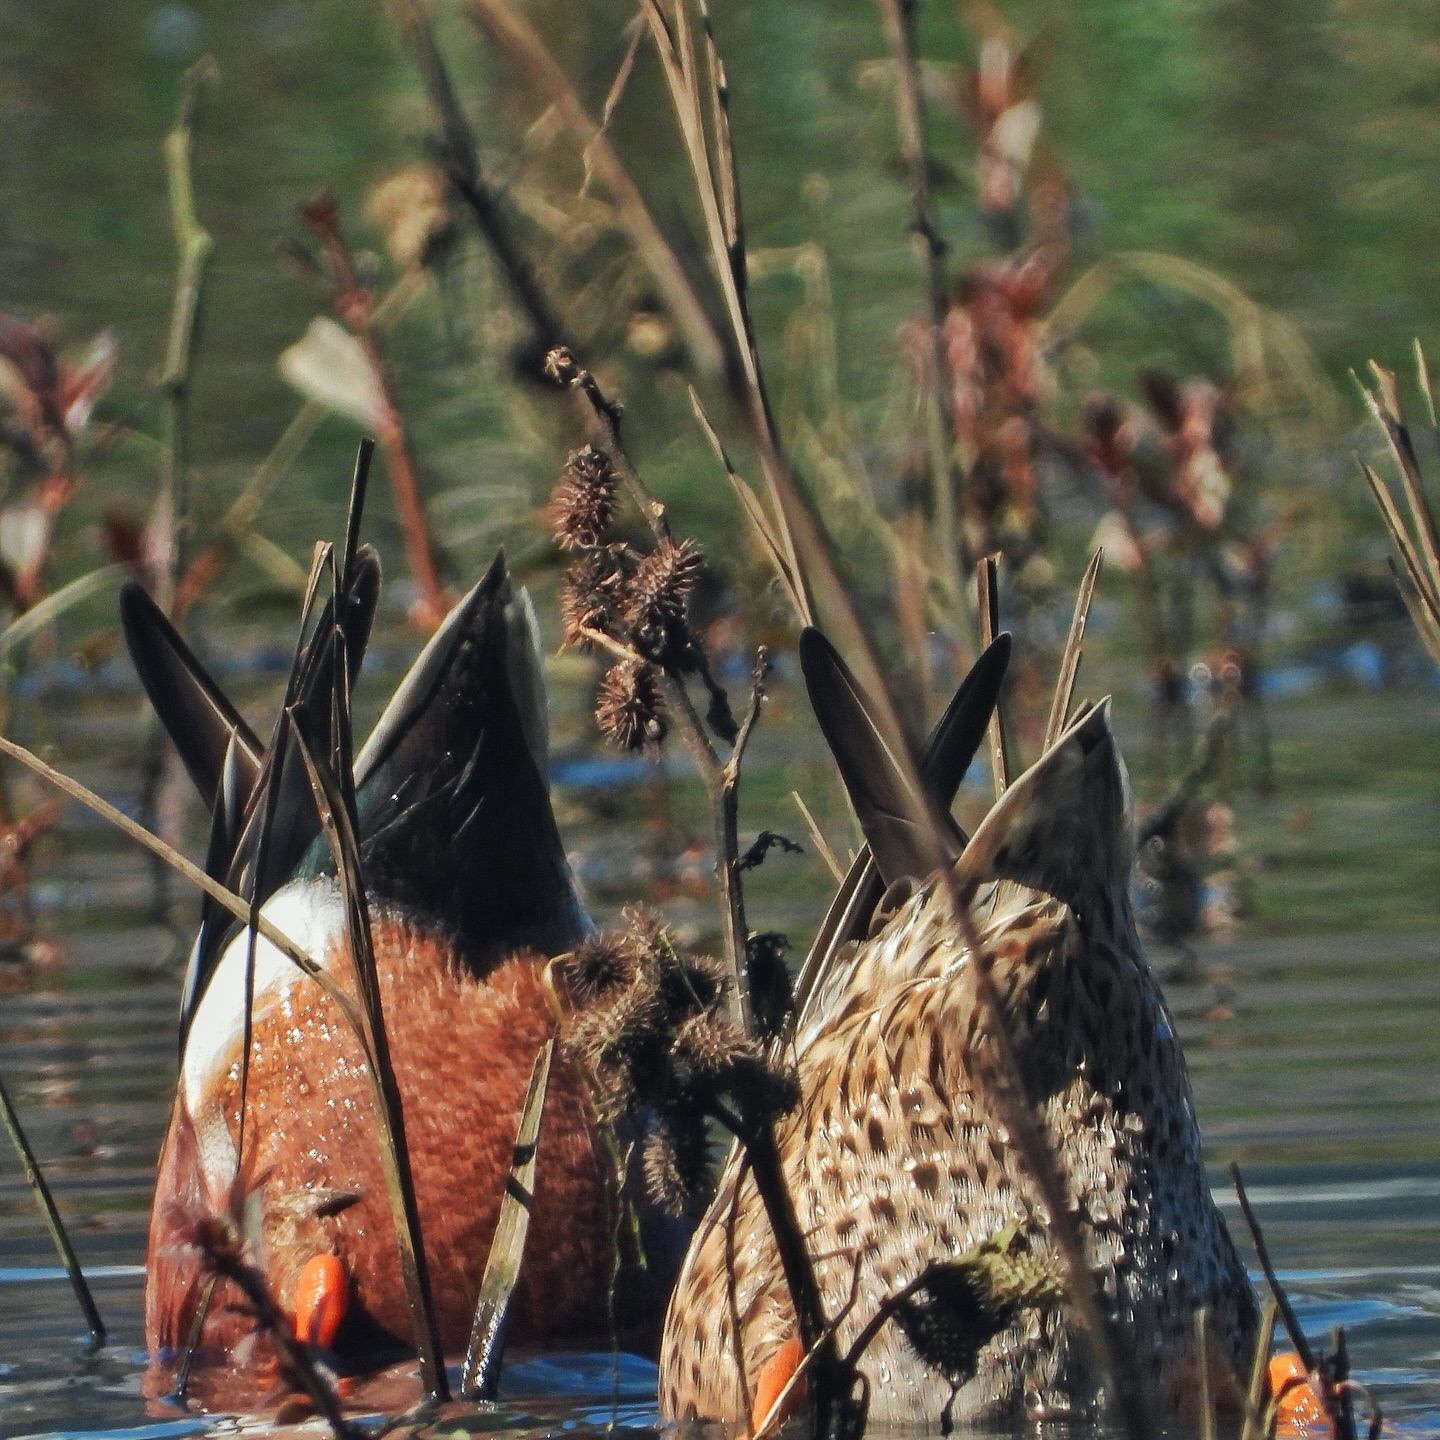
(930, 248)
(224, 1259)
(987, 581)
(519, 40)
(1262, 1254)
(195, 247)
(461, 159)
(46, 1201)
(356, 307)
(237, 525)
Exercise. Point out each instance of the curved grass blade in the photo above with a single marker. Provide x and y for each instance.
(52, 607)
(1055, 727)
(480, 1380)
(46, 1201)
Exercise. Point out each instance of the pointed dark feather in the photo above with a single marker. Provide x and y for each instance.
(455, 818)
(949, 752)
(310, 693)
(192, 708)
(895, 817)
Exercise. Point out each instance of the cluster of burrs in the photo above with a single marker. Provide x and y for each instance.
(954, 1309)
(654, 1030)
(632, 606)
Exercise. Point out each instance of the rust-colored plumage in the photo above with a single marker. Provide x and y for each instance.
(469, 895)
(462, 1050)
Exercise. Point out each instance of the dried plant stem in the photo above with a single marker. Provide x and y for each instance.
(356, 307)
(512, 33)
(817, 838)
(461, 160)
(227, 899)
(46, 1201)
(1254, 1426)
(1070, 658)
(834, 1382)
(335, 804)
(292, 1353)
(987, 581)
(196, 247)
(480, 1379)
(899, 18)
(1262, 1254)
(237, 524)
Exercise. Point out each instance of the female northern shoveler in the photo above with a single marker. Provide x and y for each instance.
(897, 1164)
(469, 891)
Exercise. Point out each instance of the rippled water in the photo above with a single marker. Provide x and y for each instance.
(1316, 1063)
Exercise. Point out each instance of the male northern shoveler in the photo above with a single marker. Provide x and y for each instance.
(469, 891)
(897, 1164)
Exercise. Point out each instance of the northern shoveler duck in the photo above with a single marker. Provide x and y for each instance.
(897, 1163)
(469, 892)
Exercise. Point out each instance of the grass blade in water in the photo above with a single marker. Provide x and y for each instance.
(336, 810)
(481, 1376)
(46, 1202)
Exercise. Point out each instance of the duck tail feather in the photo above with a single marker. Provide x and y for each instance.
(455, 816)
(191, 706)
(525, 664)
(948, 753)
(895, 817)
(1066, 825)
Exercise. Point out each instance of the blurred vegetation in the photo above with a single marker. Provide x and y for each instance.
(1287, 148)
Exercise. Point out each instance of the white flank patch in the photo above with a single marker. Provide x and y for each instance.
(309, 912)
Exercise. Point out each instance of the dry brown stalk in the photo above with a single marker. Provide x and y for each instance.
(930, 248)
(460, 158)
(356, 307)
(521, 43)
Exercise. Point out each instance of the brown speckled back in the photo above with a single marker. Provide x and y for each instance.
(897, 1161)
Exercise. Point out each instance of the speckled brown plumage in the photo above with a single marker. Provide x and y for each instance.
(897, 1161)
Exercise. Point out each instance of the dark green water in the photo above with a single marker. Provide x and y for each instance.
(1291, 147)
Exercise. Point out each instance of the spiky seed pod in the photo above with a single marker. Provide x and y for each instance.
(663, 1181)
(676, 1160)
(658, 593)
(629, 708)
(596, 967)
(584, 501)
(710, 1043)
(593, 595)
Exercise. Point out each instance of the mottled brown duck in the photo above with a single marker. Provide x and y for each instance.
(899, 1166)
